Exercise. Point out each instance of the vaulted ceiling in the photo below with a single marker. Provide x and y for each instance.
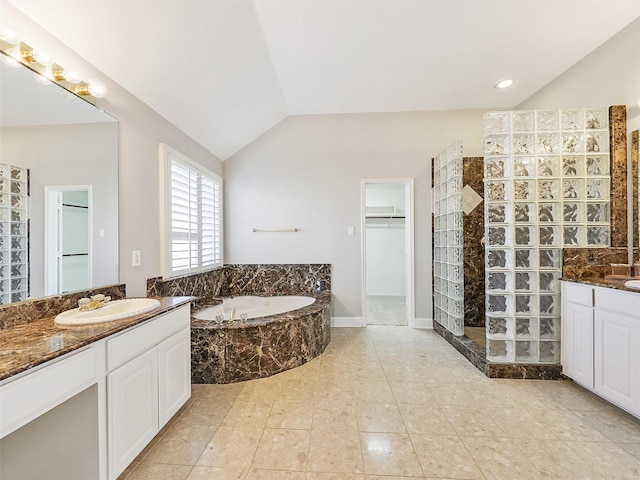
(226, 71)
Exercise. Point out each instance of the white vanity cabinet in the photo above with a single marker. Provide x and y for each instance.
(617, 348)
(148, 380)
(577, 333)
(601, 342)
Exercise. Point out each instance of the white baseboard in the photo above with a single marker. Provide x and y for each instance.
(347, 322)
(426, 323)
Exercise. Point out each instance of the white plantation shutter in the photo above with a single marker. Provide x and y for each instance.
(193, 215)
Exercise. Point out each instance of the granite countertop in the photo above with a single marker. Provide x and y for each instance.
(30, 344)
(615, 283)
(323, 300)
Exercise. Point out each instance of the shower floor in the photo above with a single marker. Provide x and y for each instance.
(477, 334)
(386, 310)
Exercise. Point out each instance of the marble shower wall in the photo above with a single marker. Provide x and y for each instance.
(448, 269)
(236, 279)
(547, 186)
(473, 208)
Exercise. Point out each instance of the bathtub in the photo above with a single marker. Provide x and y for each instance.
(250, 307)
(268, 335)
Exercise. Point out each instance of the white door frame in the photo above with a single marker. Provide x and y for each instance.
(409, 242)
(53, 235)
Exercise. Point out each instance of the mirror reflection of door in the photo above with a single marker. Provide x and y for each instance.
(68, 245)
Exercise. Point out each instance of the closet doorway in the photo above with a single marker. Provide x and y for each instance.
(387, 252)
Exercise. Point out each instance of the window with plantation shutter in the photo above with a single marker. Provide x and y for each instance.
(192, 215)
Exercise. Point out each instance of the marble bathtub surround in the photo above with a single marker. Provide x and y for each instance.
(244, 279)
(261, 347)
(255, 348)
(27, 344)
(473, 250)
(34, 310)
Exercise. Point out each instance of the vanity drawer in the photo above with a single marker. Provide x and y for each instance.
(29, 396)
(576, 293)
(139, 339)
(626, 303)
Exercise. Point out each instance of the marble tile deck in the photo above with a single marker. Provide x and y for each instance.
(390, 403)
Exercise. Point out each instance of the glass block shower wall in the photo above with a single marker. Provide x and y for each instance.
(14, 266)
(448, 276)
(547, 186)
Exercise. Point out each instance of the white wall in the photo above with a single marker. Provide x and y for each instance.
(140, 131)
(306, 173)
(385, 242)
(610, 75)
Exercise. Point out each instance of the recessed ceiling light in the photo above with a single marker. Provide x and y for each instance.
(507, 82)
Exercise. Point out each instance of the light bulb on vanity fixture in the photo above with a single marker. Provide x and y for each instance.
(16, 52)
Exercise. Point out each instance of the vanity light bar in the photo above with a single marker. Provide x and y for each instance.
(19, 53)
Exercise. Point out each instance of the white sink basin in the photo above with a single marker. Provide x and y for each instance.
(115, 310)
(632, 284)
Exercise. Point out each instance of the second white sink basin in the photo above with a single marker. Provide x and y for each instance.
(632, 284)
(115, 310)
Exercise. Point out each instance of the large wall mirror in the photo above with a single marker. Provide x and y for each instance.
(58, 190)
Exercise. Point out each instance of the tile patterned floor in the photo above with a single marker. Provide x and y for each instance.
(386, 310)
(392, 403)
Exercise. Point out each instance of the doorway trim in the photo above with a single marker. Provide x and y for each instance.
(409, 243)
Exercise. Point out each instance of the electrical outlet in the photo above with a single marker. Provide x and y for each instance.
(136, 258)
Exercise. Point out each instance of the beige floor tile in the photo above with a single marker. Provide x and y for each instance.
(500, 458)
(216, 473)
(567, 425)
(298, 387)
(393, 477)
(452, 394)
(338, 416)
(380, 417)
(374, 391)
(632, 448)
(291, 413)
(608, 459)
(389, 378)
(249, 412)
(519, 423)
(331, 451)
(182, 444)
(411, 392)
(335, 476)
(555, 460)
(154, 471)
(427, 419)
(274, 475)
(282, 449)
(389, 454)
(472, 421)
(231, 447)
(206, 411)
(613, 424)
(444, 456)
